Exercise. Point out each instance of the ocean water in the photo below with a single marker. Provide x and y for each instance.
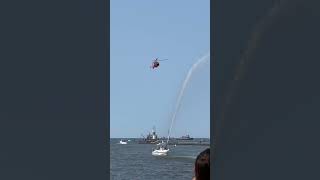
(134, 161)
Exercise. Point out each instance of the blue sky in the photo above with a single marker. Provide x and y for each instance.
(140, 98)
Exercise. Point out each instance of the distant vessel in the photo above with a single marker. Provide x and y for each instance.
(151, 138)
(123, 142)
(187, 137)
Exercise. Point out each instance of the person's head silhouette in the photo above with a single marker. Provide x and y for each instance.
(202, 166)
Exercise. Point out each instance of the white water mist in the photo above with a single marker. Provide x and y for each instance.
(203, 59)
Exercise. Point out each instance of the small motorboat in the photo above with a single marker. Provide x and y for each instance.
(123, 142)
(160, 151)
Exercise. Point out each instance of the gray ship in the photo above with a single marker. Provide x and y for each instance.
(187, 137)
(152, 138)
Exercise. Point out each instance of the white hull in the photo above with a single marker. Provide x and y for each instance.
(160, 152)
(122, 142)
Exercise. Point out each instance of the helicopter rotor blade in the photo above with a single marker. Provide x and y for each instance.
(163, 60)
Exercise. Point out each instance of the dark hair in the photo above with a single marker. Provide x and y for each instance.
(202, 165)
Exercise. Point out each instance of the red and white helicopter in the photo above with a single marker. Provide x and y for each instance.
(156, 64)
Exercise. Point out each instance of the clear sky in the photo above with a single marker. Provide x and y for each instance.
(140, 98)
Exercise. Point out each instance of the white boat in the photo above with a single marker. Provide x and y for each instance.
(123, 142)
(162, 151)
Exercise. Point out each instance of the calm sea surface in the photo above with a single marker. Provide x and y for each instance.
(134, 161)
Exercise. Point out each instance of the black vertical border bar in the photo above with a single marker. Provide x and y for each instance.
(103, 95)
(107, 83)
(212, 85)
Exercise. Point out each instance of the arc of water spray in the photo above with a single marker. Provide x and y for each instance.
(184, 85)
